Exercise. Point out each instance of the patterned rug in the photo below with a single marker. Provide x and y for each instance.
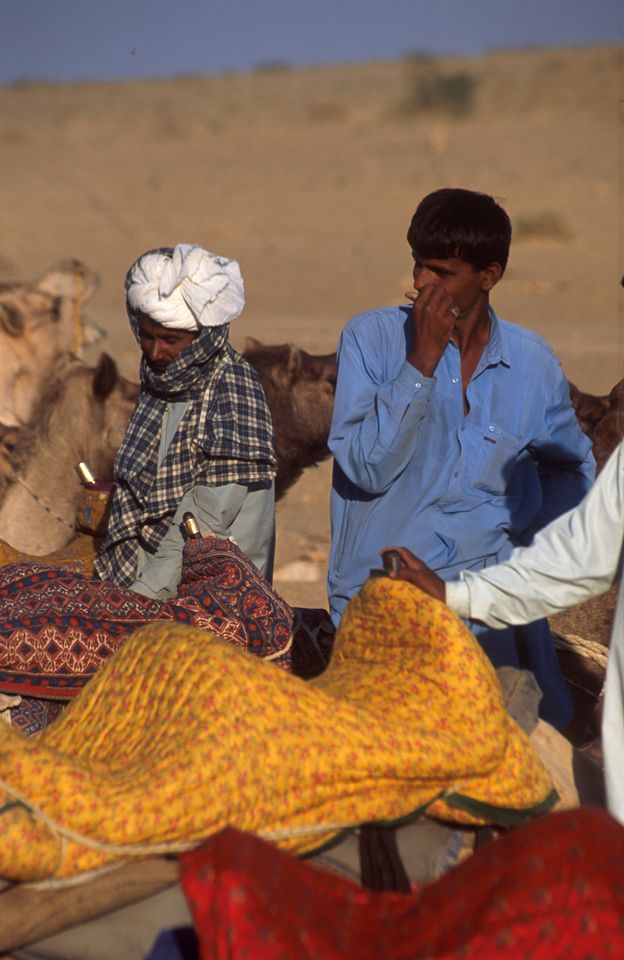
(59, 626)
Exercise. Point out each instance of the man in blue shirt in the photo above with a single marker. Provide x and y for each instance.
(453, 431)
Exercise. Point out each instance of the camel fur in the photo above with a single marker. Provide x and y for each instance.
(40, 323)
(81, 416)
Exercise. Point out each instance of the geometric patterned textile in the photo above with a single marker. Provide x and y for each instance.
(225, 585)
(33, 715)
(181, 734)
(58, 626)
(549, 889)
(238, 605)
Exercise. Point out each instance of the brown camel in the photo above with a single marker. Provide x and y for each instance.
(41, 489)
(300, 389)
(601, 418)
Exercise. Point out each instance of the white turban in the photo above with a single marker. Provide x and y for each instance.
(187, 288)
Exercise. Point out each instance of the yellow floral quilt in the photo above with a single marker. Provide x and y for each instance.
(181, 734)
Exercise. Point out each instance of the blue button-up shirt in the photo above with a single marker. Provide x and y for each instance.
(411, 468)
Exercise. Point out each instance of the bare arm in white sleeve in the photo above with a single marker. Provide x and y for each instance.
(575, 557)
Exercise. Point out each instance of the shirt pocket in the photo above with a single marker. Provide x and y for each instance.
(491, 457)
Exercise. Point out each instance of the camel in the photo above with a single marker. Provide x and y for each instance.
(300, 389)
(81, 416)
(42, 491)
(601, 418)
(40, 322)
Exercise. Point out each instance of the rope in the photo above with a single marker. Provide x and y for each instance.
(595, 695)
(588, 649)
(78, 331)
(48, 509)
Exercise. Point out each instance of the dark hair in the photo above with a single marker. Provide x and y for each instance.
(461, 223)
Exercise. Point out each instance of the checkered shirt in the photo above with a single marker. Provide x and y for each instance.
(225, 436)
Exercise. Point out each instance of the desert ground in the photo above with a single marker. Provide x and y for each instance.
(309, 178)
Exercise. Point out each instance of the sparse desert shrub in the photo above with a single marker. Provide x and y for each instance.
(544, 225)
(25, 82)
(446, 93)
(432, 91)
(418, 58)
(325, 110)
(272, 66)
(168, 125)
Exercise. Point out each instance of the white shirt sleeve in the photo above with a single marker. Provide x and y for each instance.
(575, 557)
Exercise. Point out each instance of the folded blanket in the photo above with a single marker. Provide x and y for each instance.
(179, 736)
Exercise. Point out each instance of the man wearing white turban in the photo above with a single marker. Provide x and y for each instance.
(201, 437)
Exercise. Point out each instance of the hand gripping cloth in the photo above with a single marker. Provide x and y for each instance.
(178, 737)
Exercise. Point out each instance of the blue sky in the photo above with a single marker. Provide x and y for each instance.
(110, 39)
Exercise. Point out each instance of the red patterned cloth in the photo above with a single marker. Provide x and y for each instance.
(225, 592)
(552, 888)
(58, 626)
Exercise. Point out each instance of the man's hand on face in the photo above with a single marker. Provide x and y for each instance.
(433, 317)
(416, 572)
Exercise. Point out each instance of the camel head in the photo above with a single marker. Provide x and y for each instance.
(300, 389)
(70, 279)
(40, 323)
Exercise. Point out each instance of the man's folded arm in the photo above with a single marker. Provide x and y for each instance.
(376, 426)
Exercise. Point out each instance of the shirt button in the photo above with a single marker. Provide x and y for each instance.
(455, 379)
(418, 386)
(491, 429)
